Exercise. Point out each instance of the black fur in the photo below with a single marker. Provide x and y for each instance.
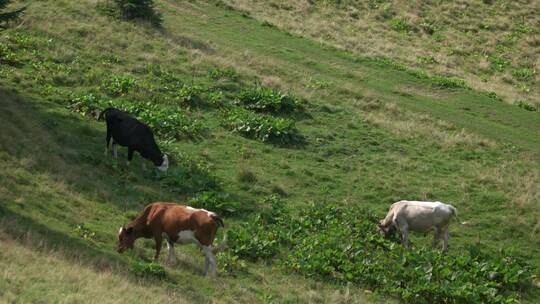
(131, 133)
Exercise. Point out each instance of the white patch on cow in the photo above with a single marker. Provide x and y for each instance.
(187, 237)
(120, 230)
(165, 164)
(171, 257)
(190, 208)
(209, 212)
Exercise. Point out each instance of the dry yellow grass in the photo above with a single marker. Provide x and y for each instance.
(469, 37)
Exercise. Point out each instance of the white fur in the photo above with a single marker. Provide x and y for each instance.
(420, 217)
(209, 260)
(187, 237)
(165, 164)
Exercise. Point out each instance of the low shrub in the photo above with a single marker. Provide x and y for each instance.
(139, 9)
(447, 82)
(267, 100)
(219, 202)
(524, 74)
(401, 25)
(147, 269)
(168, 122)
(118, 85)
(525, 105)
(343, 244)
(190, 94)
(262, 127)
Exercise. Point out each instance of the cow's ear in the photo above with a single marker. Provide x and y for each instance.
(129, 230)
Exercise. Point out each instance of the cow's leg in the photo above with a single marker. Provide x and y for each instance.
(436, 237)
(445, 238)
(108, 140)
(158, 238)
(210, 260)
(130, 155)
(170, 248)
(404, 229)
(115, 149)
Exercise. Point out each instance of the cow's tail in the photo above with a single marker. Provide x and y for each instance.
(223, 245)
(217, 219)
(454, 212)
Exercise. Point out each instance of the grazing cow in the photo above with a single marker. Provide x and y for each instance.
(178, 224)
(419, 217)
(133, 134)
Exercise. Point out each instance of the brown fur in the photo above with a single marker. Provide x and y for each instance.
(169, 219)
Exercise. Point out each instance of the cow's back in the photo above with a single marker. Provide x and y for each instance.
(422, 216)
(178, 218)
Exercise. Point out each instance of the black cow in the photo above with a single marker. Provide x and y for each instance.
(133, 134)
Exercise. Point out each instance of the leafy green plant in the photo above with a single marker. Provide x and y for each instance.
(228, 73)
(525, 105)
(266, 99)
(524, 73)
(190, 94)
(147, 269)
(428, 59)
(118, 85)
(343, 244)
(85, 232)
(263, 127)
(7, 56)
(400, 25)
(447, 82)
(219, 202)
(499, 63)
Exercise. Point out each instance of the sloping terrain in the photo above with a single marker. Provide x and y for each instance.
(367, 134)
(493, 45)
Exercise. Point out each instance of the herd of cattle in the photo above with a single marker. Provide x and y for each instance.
(184, 225)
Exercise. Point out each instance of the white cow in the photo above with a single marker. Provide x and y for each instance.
(420, 217)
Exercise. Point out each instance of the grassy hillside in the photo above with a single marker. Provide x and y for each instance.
(365, 135)
(492, 45)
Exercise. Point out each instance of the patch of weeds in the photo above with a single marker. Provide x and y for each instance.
(401, 25)
(7, 56)
(427, 59)
(524, 74)
(246, 176)
(118, 85)
(262, 127)
(447, 82)
(228, 73)
(526, 106)
(314, 236)
(147, 269)
(428, 27)
(219, 202)
(267, 100)
(216, 98)
(85, 232)
(494, 96)
(318, 84)
(499, 63)
(190, 94)
(231, 263)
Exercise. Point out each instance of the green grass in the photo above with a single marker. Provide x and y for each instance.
(373, 134)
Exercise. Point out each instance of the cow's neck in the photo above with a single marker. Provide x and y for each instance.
(140, 229)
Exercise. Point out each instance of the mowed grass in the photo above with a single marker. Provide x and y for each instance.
(374, 135)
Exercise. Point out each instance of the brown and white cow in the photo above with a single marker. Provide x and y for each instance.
(420, 217)
(177, 224)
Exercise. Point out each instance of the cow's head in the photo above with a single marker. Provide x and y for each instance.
(164, 163)
(386, 231)
(126, 238)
